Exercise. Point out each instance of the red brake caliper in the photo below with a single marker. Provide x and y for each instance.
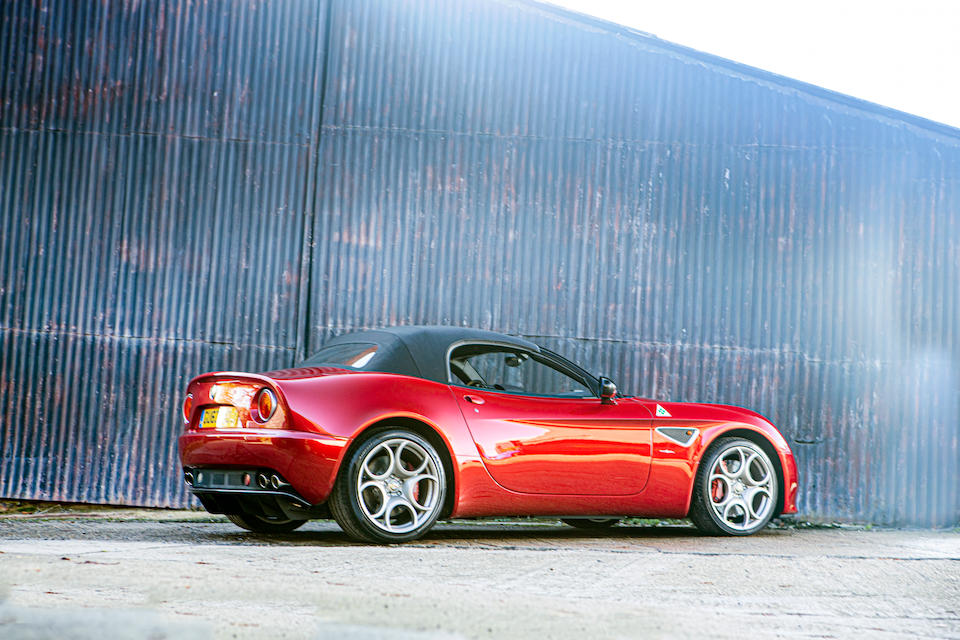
(717, 490)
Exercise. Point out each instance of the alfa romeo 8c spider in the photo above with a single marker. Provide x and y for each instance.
(389, 430)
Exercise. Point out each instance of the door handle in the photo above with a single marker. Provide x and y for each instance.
(474, 399)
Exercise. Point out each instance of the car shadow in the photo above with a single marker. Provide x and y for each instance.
(478, 534)
(326, 533)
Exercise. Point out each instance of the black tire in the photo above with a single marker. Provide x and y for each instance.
(367, 515)
(259, 524)
(748, 510)
(593, 524)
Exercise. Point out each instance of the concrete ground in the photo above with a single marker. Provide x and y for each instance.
(186, 575)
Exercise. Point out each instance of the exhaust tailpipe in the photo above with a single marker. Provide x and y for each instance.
(188, 477)
(276, 482)
(263, 481)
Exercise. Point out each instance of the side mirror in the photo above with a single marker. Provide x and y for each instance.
(608, 391)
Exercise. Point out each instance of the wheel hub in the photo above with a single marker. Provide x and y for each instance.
(738, 488)
(393, 485)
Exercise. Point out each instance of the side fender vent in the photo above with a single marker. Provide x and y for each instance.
(683, 437)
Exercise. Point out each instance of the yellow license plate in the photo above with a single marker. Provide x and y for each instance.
(219, 418)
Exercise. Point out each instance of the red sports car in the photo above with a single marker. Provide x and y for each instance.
(389, 430)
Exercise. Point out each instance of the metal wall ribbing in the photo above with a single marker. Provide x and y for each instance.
(695, 229)
(194, 186)
(155, 175)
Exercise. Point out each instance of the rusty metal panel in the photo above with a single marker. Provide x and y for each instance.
(143, 236)
(94, 418)
(699, 230)
(155, 172)
(215, 69)
(199, 185)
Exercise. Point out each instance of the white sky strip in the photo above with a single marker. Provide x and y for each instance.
(902, 55)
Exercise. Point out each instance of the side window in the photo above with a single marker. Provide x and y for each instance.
(513, 370)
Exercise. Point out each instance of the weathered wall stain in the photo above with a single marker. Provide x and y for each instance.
(192, 186)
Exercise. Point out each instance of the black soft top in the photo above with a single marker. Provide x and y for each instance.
(419, 351)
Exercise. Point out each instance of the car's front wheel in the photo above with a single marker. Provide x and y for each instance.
(736, 488)
(391, 489)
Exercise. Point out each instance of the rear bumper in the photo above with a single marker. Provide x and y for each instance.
(245, 491)
(308, 461)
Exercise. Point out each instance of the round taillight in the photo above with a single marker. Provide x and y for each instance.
(266, 405)
(187, 408)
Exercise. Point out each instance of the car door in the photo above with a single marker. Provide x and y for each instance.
(540, 427)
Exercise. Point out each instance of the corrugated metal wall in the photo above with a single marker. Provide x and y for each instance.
(694, 229)
(156, 162)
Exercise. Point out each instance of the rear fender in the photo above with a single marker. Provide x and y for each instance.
(328, 406)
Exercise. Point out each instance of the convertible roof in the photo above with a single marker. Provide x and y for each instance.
(421, 351)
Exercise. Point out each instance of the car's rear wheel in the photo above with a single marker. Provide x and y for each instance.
(391, 489)
(260, 524)
(591, 523)
(736, 488)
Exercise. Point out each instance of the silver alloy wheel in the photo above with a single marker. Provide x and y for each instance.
(741, 487)
(398, 486)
